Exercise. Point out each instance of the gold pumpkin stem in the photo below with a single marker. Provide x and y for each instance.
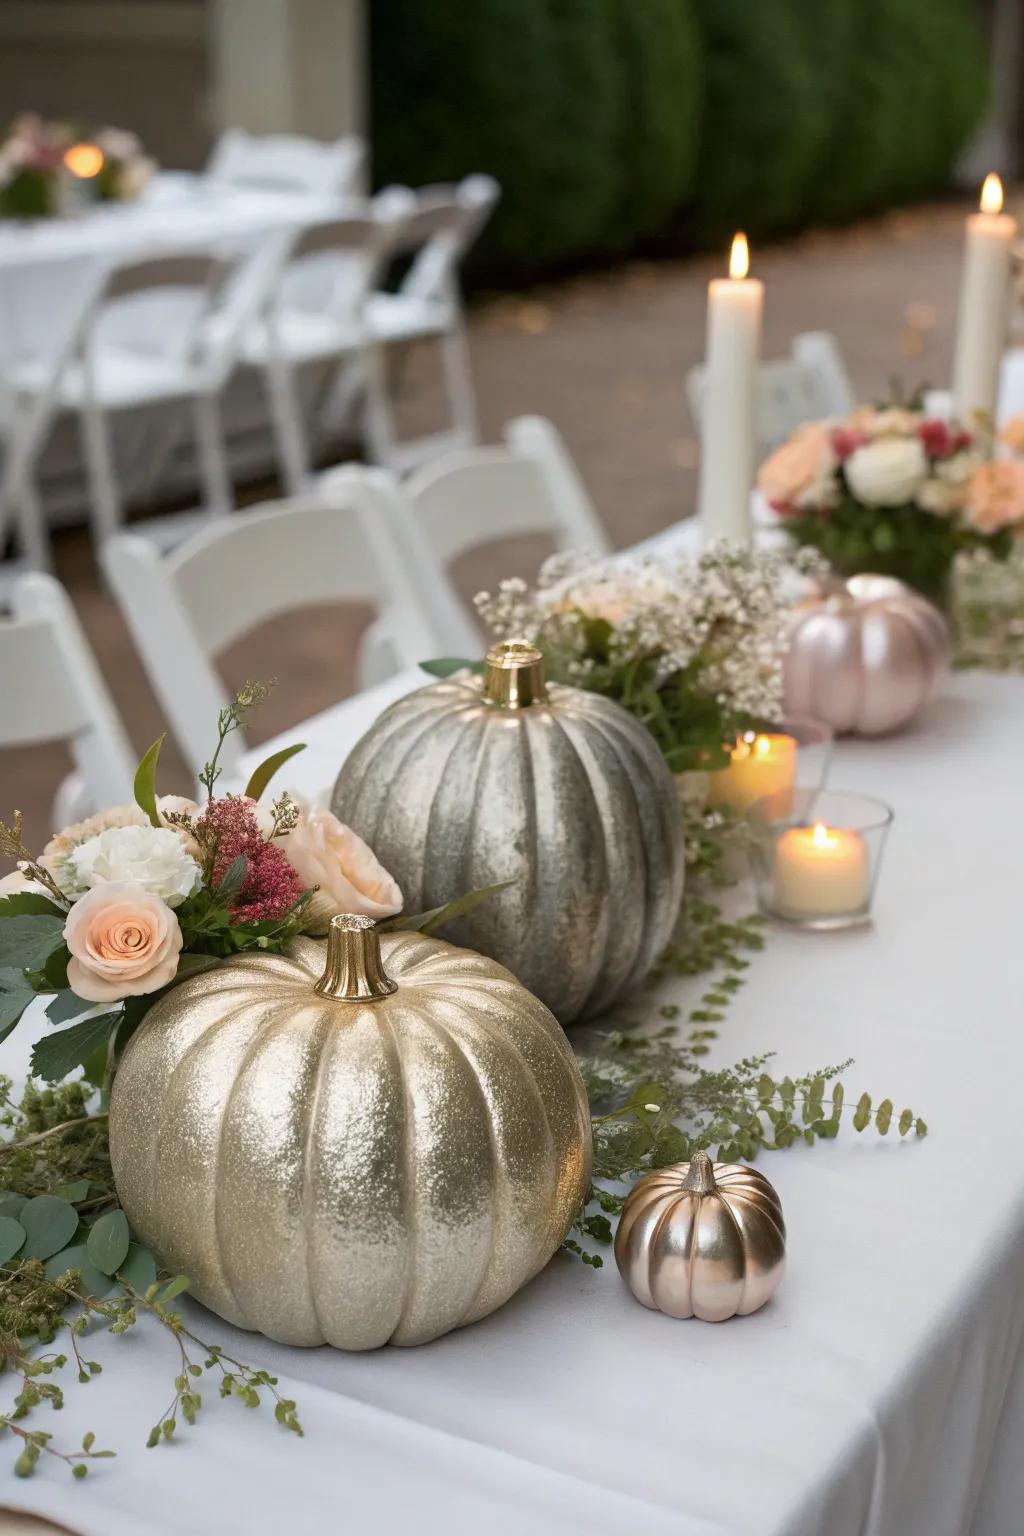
(514, 675)
(355, 968)
(700, 1176)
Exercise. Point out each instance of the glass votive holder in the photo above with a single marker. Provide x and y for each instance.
(816, 856)
(770, 763)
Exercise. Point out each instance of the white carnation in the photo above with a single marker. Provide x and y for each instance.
(151, 857)
(887, 472)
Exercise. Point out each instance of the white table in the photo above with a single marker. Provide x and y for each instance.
(879, 1393)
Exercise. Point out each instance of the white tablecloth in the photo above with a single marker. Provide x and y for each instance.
(879, 1394)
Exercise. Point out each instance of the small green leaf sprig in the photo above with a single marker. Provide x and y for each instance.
(653, 1100)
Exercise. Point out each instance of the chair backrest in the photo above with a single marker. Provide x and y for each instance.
(788, 393)
(477, 496)
(288, 163)
(183, 609)
(332, 265)
(439, 229)
(55, 691)
(820, 351)
(188, 285)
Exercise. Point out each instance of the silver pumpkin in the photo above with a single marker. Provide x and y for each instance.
(366, 1142)
(475, 781)
(865, 656)
(702, 1239)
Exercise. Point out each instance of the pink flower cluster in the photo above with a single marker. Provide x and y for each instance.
(271, 886)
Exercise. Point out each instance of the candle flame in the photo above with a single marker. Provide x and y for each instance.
(762, 745)
(739, 256)
(992, 194)
(84, 160)
(822, 835)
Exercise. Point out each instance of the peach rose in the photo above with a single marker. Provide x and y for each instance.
(995, 496)
(325, 853)
(124, 942)
(797, 474)
(1011, 433)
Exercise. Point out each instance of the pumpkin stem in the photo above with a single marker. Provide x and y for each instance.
(514, 676)
(700, 1176)
(355, 968)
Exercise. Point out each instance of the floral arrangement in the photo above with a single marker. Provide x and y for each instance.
(117, 908)
(892, 490)
(694, 650)
(40, 161)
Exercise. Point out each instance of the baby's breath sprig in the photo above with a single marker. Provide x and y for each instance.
(232, 718)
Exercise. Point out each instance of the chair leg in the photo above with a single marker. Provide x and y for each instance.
(379, 422)
(33, 535)
(99, 460)
(459, 384)
(218, 491)
(293, 455)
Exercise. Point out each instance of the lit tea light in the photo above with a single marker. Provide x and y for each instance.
(820, 872)
(761, 764)
(84, 161)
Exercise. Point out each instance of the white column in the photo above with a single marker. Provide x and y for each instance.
(290, 66)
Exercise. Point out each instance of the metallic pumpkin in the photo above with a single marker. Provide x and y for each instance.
(366, 1142)
(865, 656)
(475, 781)
(702, 1239)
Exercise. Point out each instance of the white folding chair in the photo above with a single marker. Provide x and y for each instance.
(111, 367)
(313, 312)
(286, 162)
(52, 691)
(820, 350)
(428, 307)
(326, 546)
(788, 393)
(477, 496)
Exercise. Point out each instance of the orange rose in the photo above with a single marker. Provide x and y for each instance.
(124, 942)
(797, 473)
(995, 496)
(1012, 434)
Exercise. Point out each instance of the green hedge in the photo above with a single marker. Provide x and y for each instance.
(611, 122)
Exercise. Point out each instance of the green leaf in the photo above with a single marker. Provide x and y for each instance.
(145, 782)
(234, 877)
(30, 904)
(444, 666)
(430, 922)
(862, 1114)
(883, 1117)
(67, 1005)
(12, 1235)
(28, 939)
(138, 1269)
(15, 996)
(192, 965)
(76, 1191)
(94, 1282)
(54, 1056)
(12, 1205)
(267, 769)
(55, 971)
(906, 1121)
(108, 1241)
(49, 1223)
(173, 1288)
(920, 1128)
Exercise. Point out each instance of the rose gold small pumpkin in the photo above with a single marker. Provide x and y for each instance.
(702, 1239)
(865, 655)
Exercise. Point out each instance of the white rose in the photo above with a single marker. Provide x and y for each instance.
(887, 472)
(150, 857)
(958, 468)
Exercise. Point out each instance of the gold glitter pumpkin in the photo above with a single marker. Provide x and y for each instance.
(702, 1239)
(366, 1142)
(475, 781)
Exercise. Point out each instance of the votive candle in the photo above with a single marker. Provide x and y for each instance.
(762, 764)
(820, 871)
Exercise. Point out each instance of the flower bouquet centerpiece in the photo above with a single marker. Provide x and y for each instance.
(119, 907)
(896, 492)
(43, 165)
(694, 650)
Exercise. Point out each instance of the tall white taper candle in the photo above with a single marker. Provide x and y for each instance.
(728, 431)
(984, 305)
